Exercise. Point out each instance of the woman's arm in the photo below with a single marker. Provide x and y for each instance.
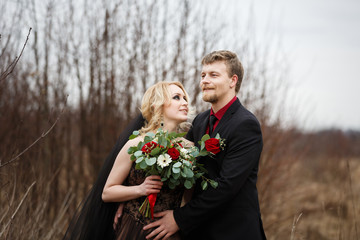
(114, 191)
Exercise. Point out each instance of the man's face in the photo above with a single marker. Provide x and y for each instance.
(215, 82)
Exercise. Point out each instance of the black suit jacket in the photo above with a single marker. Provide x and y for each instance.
(231, 211)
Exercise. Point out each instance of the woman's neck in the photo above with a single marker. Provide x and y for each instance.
(170, 127)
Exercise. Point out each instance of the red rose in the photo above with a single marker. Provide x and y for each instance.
(148, 147)
(174, 153)
(212, 145)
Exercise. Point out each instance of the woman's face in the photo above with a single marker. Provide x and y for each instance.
(176, 111)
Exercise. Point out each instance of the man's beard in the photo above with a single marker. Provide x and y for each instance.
(210, 98)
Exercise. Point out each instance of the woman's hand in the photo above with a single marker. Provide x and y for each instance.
(152, 184)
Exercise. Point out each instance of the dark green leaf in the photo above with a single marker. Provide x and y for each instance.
(204, 185)
(155, 151)
(188, 184)
(214, 184)
(205, 137)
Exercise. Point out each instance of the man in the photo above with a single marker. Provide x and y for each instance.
(231, 211)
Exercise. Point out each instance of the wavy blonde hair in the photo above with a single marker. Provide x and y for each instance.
(152, 105)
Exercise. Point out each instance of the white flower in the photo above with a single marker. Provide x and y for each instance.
(164, 160)
(184, 151)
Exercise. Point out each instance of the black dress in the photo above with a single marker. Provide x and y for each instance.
(131, 222)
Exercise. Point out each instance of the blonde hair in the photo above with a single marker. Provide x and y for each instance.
(152, 104)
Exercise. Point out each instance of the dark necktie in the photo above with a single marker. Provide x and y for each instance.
(212, 123)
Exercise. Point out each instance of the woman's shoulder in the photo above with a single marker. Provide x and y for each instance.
(134, 141)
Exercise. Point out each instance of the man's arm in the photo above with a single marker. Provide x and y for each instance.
(242, 157)
(244, 148)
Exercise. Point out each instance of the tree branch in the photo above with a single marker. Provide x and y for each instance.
(12, 65)
(37, 140)
(17, 209)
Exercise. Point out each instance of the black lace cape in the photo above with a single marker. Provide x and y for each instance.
(94, 218)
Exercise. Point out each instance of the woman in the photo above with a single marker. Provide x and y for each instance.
(164, 105)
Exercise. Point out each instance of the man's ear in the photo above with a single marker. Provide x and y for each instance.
(234, 80)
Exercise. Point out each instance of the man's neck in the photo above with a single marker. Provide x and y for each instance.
(221, 103)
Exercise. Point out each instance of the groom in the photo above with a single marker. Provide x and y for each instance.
(230, 211)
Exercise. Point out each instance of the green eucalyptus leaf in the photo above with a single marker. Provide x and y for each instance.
(204, 185)
(214, 184)
(198, 175)
(134, 134)
(177, 164)
(176, 175)
(163, 142)
(138, 153)
(143, 165)
(139, 159)
(147, 139)
(150, 134)
(188, 172)
(188, 184)
(168, 173)
(175, 170)
(187, 163)
(150, 161)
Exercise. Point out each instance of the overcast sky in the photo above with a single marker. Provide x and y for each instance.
(322, 40)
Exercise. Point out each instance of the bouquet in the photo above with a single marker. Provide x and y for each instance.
(166, 154)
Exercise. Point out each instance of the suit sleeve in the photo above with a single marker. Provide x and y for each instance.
(242, 156)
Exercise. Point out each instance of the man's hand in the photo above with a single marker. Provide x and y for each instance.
(165, 226)
(118, 215)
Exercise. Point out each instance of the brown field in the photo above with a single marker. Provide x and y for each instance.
(71, 83)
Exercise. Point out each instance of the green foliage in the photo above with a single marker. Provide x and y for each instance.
(152, 155)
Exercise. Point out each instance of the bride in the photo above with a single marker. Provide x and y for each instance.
(164, 105)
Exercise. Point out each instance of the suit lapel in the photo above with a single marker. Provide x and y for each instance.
(226, 117)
